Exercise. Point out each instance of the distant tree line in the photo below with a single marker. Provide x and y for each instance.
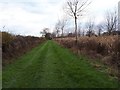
(75, 9)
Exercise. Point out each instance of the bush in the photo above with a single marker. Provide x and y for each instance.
(14, 46)
(6, 38)
(104, 46)
(106, 49)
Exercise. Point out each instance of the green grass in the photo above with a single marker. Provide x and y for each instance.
(0, 79)
(51, 66)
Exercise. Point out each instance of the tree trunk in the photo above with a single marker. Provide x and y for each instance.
(76, 34)
(76, 29)
(62, 33)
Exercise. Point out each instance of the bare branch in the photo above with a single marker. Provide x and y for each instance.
(83, 8)
(75, 9)
(111, 20)
(70, 6)
(82, 5)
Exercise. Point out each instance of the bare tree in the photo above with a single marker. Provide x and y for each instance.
(74, 8)
(54, 35)
(79, 30)
(45, 30)
(100, 29)
(90, 28)
(57, 28)
(63, 24)
(57, 31)
(111, 21)
(83, 32)
(119, 16)
(60, 25)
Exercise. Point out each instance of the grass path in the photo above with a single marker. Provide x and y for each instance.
(51, 66)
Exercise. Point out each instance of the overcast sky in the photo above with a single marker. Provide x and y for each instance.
(29, 17)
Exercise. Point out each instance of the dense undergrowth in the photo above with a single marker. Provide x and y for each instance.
(105, 49)
(14, 46)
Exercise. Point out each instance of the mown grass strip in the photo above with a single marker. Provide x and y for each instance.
(52, 66)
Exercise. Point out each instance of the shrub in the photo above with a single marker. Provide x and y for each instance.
(106, 46)
(6, 38)
(14, 46)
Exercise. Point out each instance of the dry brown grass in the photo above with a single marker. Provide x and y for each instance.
(14, 46)
(106, 49)
(104, 45)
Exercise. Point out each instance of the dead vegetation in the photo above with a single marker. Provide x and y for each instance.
(106, 49)
(14, 46)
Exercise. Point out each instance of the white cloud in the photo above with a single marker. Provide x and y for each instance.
(29, 17)
(32, 17)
